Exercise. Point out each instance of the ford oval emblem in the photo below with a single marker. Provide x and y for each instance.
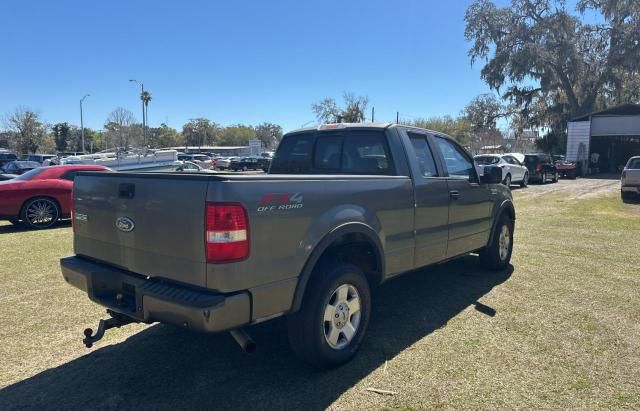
(125, 224)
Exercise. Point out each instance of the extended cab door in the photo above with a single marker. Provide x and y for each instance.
(470, 203)
(431, 202)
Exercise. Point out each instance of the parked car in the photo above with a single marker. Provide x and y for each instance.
(5, 177)
(202, 160)
(343, 208)
(567, 169)
(188, 166)
(512, 170)
(541, 168)
(40, 197)
(39, 158)
(264, 163)
(630, 179)
(19, 167)
(244, 164)
(6, 157)
(223, 163)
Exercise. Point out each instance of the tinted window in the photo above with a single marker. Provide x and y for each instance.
(69, 175)
(294, 155)
(423, 155)
(634, 164)
(328, 152)
(366, 153)
(458, 164)
(530, 159)
(30, 174)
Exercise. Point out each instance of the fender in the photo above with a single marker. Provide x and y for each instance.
(323, 245)
(505, 207)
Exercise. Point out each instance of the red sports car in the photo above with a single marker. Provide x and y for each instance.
(42, 196)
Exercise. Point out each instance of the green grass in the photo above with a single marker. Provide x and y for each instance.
(566, 333)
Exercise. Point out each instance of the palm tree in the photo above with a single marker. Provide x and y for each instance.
(145, 96)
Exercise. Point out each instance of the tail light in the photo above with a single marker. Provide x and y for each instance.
(227, 233)
(538, 168)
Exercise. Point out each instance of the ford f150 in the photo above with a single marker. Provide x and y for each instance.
(343, 208)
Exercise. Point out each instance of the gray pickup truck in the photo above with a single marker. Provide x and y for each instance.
(343, 208)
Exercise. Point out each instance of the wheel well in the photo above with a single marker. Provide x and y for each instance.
(356, 249)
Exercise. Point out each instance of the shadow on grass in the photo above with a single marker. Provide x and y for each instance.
(166, 367)
(11, 228)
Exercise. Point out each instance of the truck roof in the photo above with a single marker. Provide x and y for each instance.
(362, 126)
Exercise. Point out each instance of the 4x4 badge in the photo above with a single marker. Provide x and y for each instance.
(125, 224)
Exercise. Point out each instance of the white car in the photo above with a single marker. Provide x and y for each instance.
(223, 163)
(630, 179)
(513, 171)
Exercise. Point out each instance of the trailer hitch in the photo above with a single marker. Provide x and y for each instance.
(116, 321)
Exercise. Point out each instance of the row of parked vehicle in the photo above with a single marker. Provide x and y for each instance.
(520, 168)
(216, 162)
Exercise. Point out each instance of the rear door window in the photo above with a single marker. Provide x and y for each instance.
(424, 155)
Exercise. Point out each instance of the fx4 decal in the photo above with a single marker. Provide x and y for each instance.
(280, 201)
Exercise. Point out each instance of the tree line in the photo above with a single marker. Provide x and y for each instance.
(26, 132)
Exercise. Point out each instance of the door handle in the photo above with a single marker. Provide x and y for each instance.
(454, 194)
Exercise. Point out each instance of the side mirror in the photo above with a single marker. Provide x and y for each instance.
(492, 175)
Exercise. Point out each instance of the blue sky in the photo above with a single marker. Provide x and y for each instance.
(234, 61)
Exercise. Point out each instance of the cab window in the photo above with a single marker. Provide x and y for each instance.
(458, 164)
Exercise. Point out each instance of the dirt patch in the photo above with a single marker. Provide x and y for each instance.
(573, 189)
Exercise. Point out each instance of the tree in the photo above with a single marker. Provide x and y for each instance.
(458, 128)
(164, 136)
(484, 111)
(327, 110)
(121, 128)
(28, 130)
(552, 65)
(200, 132)
(237, 135)
(61, 136)
(270, 134)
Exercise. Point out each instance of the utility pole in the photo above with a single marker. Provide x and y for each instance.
(373, 114)
(82, 122)
(397, 117)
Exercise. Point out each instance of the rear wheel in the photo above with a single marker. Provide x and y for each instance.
(328, 329)
(525, 180)
(497, 255)
(556, 177)
(40, 213)
(626, 196)
(544, 178)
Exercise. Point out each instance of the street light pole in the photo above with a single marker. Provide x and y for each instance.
(144, 120)
(82, 122)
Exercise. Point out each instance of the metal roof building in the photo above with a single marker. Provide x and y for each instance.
(603, 141)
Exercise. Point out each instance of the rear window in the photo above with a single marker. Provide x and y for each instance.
(486, 160)
(634, 164)
(531, 159)
(346, 152)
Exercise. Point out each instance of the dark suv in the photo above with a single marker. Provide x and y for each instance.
(541, 168)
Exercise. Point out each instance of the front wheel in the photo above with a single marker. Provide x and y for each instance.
(507, 180)
(497, 255)
(525, 180)
(40, 213)
(328, 329)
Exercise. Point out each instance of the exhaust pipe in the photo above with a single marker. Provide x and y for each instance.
(244, 340)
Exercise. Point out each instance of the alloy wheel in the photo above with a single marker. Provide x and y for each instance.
(342, 316)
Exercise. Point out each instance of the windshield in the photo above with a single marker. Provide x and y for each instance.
(486, 160)
(29, 174)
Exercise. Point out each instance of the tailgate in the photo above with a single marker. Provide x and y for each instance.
(632, 177)
(151, 225)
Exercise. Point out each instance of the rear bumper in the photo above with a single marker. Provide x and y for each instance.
(151, 300)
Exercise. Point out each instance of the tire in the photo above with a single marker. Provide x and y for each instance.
(40, 212)
(244, 168)
(507, 180)
(497, 255)
(555, 178)
(626, 196)
(573, 174)
(543, 179)
(525, 180)
(312, 337)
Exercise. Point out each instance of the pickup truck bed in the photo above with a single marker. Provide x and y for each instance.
(217, 252)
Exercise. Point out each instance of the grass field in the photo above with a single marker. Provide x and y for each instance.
(565, 334)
